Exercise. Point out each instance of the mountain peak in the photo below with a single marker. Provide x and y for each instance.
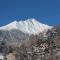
(28, 20)
(30, 26)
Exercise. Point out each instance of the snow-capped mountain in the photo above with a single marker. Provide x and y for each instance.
(30, 26)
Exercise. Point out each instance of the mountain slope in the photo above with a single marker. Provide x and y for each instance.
(13, 36)
(30, 26)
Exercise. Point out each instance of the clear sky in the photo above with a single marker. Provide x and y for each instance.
(46, 11)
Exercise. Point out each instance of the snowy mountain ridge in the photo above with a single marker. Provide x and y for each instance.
(30, 26)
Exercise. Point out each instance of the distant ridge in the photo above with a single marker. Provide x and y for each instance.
(30, 26)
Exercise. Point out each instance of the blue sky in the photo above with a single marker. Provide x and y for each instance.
(46, 11)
